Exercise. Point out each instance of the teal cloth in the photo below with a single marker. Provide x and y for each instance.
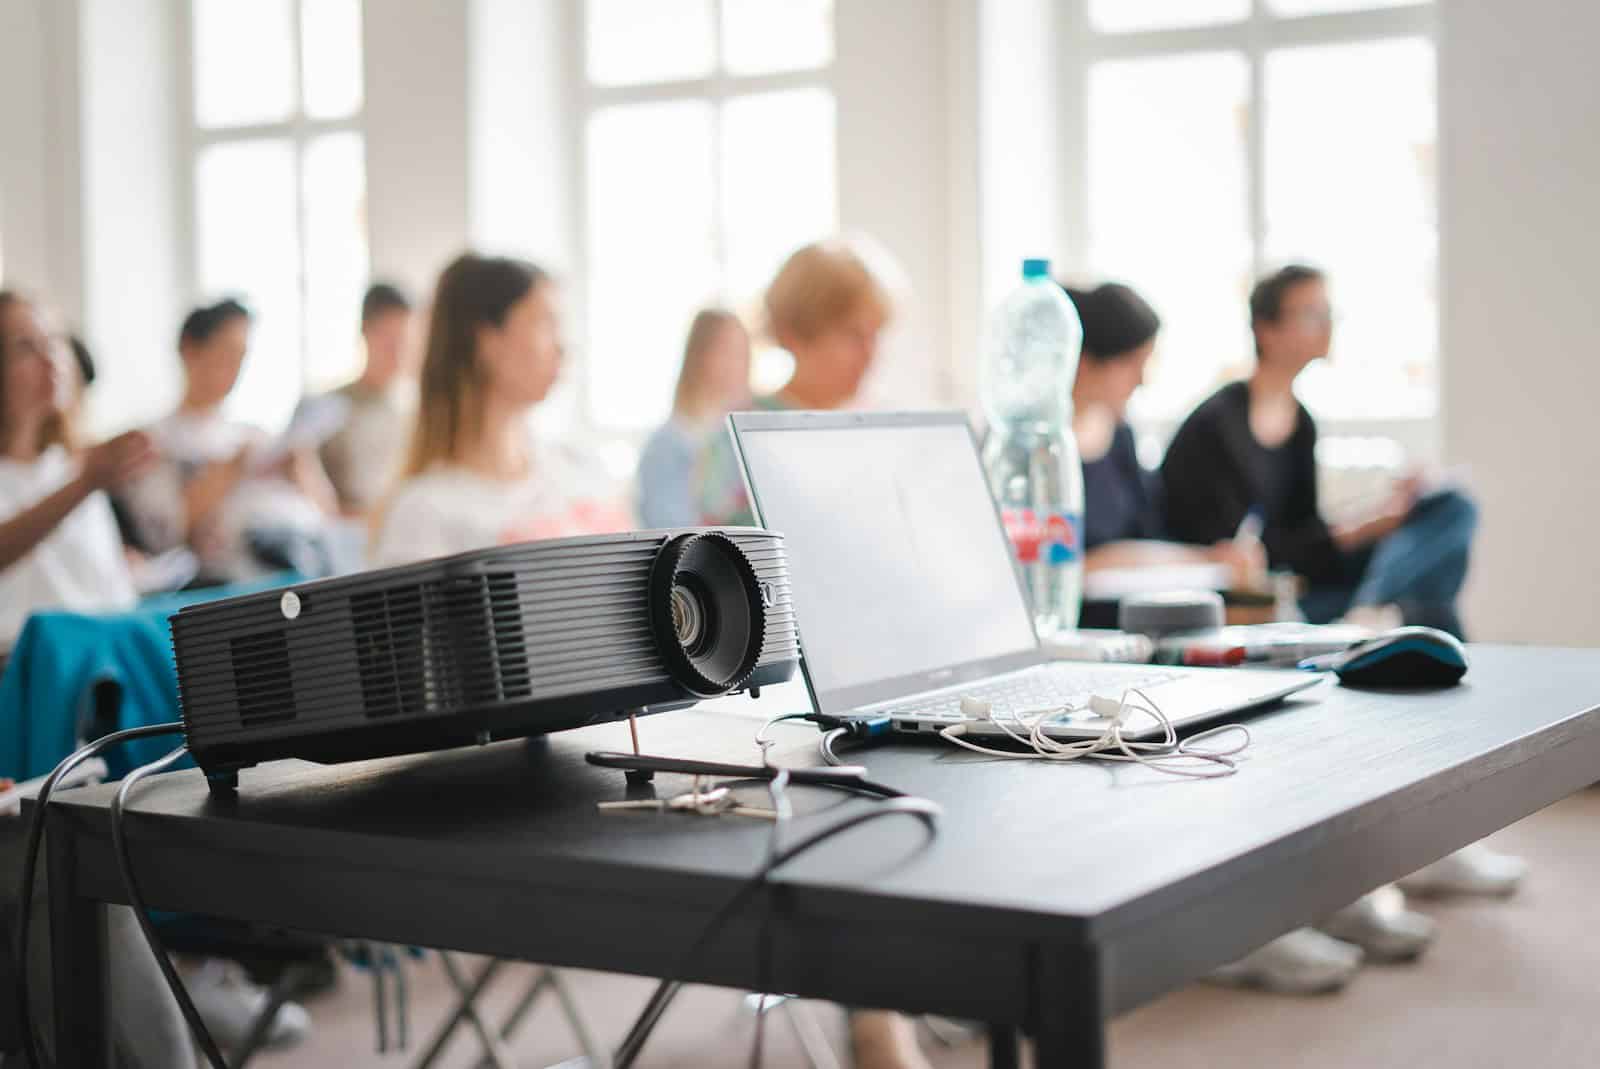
(60, 655)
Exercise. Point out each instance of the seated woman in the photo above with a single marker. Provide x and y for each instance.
(59, 546)
(473, 476)
(1251, 450)
(714, 380)
(220, 490)
(1122, 516)
(827, 306)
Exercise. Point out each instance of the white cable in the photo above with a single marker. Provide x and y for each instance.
(1168, 755)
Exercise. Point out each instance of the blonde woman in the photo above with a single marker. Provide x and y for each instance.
(714, 380)
(827, 306)
(473, 476)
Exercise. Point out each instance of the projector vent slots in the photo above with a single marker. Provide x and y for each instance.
(440, 644)
(262, 678)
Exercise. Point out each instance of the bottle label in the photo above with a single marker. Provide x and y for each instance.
(1049, 537)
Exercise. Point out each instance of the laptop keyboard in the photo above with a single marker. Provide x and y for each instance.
(1046, 687)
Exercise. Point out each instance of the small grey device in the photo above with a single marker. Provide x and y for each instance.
(905, 589)
(498, 643)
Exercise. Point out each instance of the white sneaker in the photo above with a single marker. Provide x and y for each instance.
(1380, 924)
(1304, 962)
(1472, 870)
(229, 1004)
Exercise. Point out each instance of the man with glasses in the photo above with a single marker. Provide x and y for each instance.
(1244, 465)
(1250, 451)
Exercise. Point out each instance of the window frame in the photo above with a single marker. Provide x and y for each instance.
(298, 129)
(714, 89)
(1254, 36)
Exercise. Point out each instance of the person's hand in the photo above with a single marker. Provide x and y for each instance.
(114, 462)
(1246, 560)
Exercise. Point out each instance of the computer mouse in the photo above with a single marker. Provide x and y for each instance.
(1404, 657)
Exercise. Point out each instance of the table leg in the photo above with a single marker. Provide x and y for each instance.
(1068, 1009)
(77, 962)
(1003, 1048)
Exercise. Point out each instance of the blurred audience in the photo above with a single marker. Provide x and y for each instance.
(245, 503)
(1251, 450)
(59, 546)
(827, 306)
(363, 456)
(473, 475)
(1123, 525)
(714, 380)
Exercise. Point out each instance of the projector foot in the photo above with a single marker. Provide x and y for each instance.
(640, 775)
(223, 782)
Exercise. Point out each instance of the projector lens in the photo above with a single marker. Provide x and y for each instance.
(706, 612)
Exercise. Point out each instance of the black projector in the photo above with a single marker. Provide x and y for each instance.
(494, 644)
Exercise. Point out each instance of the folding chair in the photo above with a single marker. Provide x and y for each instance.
(494, 1040)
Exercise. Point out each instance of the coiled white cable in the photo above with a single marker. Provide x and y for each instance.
(1170, 755)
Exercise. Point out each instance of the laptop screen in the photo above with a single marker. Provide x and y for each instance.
(900, 570)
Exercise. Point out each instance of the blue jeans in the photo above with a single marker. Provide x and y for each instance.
(1420, 567)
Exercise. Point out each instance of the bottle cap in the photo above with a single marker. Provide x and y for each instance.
(1032, 269)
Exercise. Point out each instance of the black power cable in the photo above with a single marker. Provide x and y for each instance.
(924, 810)
(119, 841)
(30, 866)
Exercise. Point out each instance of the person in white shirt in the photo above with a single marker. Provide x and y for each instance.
(218, 489)
(474, 476)
(361, 457)
(59, 546)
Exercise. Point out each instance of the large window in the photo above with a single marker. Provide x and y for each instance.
(709, 156)
(280, 186)
(1222, 138)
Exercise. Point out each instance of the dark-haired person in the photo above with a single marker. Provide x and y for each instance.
(1123, 528)
(1122, 510)
(1252, 448)
(242, 515)
(59, 546)
(474, 476)
(362, 458)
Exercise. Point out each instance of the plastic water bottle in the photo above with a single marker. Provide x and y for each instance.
(1031, 456)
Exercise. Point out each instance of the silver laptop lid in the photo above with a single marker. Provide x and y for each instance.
(900, 569)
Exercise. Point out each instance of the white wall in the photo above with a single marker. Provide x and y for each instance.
(1520, 218)
(133, 170)
(892, 90)
(417, 137)
(38, 129)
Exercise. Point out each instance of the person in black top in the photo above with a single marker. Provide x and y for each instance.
(1122, 508)
(1250, 451)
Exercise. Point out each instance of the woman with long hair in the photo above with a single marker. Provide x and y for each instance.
(473, 475)
(714, 380)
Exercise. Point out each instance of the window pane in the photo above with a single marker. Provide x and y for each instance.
(1113, 16)
(761, 36)
(330, 57)
(635, 41)
(1350, 186)
(245, 217)
(778, 183)
(333, 174)
(651, 260)
(1168, 210)
(1320, 7)
(243, 53)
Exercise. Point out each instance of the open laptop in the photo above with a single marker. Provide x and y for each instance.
(905, 590)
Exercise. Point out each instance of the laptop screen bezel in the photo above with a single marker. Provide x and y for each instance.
(877, 692)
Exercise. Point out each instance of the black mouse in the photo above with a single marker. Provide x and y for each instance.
(1404, 657)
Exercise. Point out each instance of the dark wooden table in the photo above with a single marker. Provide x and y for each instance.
(1051, 898)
